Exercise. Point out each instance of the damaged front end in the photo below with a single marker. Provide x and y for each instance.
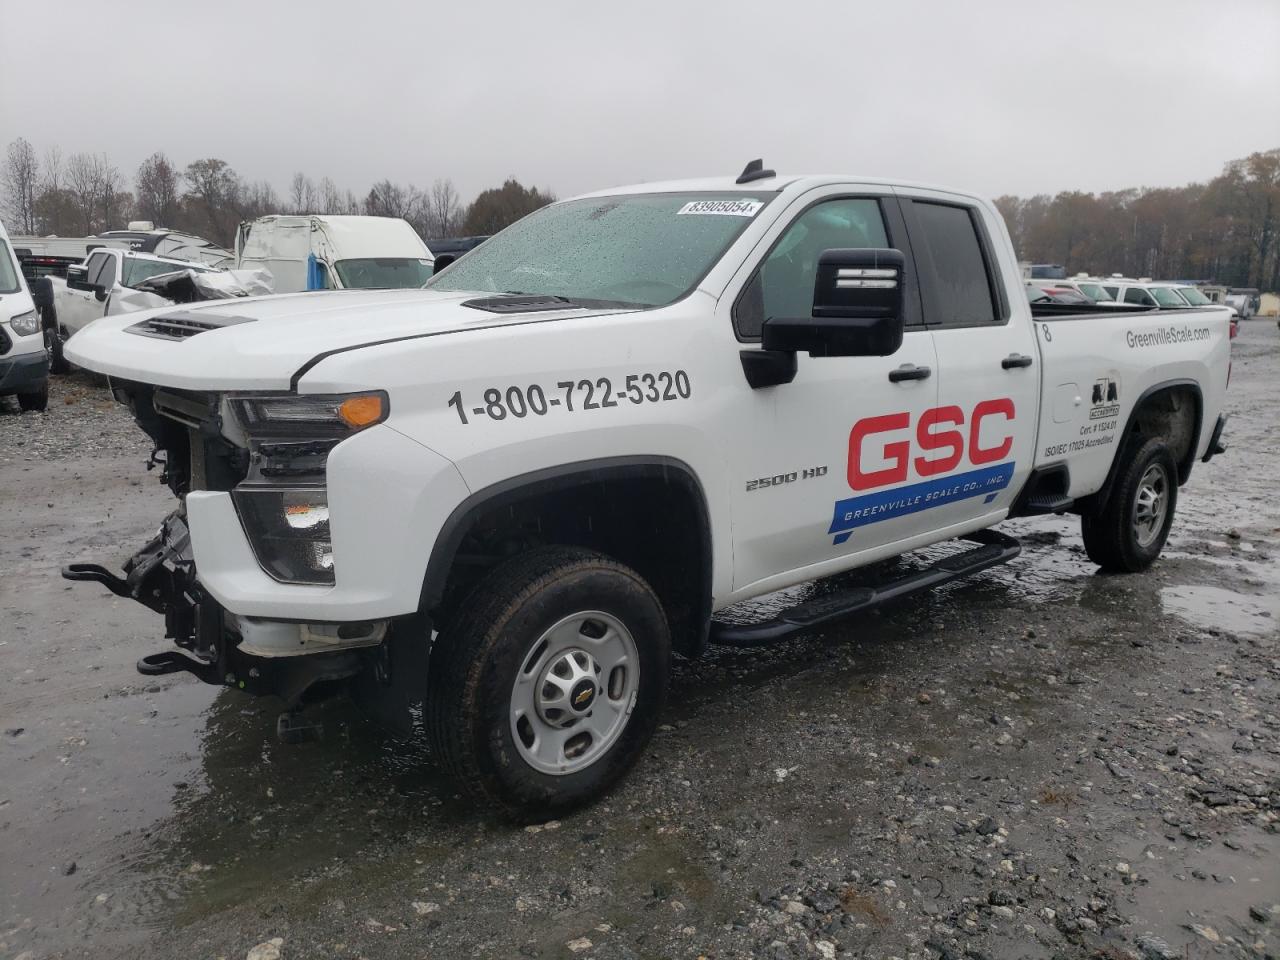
(269, 453)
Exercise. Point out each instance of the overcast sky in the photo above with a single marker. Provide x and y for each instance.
(1001, 97)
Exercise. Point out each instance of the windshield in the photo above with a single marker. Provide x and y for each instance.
(1093, 291)
(1166, 297)
(383, 273)
(1194, 296)
(646, 250)
(136, 269)
(8, 276)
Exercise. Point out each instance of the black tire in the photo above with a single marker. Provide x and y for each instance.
(36, 401)
(476, 661)
(58, 362)
(1111, 537)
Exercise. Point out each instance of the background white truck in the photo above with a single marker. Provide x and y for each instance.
(508, 498)
(334, 252)
(92, 290)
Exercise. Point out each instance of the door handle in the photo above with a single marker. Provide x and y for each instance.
(909, 371)
(1015, 360)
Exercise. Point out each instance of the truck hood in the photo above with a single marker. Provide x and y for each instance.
(260, 343)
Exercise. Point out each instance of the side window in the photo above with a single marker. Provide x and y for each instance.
(783, 283)
(1138, 295)
(949, 250)
(94, 267)
(106, 272)
(1112, 291)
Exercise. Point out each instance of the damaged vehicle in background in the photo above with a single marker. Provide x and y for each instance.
(335, 252)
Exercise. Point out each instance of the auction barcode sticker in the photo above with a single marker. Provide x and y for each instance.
(723, 208)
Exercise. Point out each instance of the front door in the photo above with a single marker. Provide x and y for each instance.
(816, 461)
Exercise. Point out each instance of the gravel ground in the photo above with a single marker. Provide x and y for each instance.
(1039, 762)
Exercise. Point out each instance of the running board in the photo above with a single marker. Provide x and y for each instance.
(993, 548)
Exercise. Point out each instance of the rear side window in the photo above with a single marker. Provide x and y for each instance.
(949, 254)
(1139, 296)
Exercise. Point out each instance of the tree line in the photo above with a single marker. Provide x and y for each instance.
(86, 193)
(1226, 230)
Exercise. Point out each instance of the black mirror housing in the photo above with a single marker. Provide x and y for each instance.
(857, 307)
(76, 277)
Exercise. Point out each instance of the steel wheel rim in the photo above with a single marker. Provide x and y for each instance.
(1151, 505)
(574, 692)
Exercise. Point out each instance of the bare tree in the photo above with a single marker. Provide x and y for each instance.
(213, 198)
(157, 190)
(444, 211)
(299, 188)
(84, 179)
(21, 180)
(387, 199)
(331, 199)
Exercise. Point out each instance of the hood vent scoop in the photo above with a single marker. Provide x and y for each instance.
(520, 303)
(183, 325)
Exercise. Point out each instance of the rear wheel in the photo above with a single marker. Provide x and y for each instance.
(36, 400)
(1130, 531)
(548, 687)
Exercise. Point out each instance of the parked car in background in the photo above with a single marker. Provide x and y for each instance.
(1244, 300)
(143, 237)
(92, 288)
(1051, 293)
(24, 364)
(335, 253)
(448, 249)
(1087, 289)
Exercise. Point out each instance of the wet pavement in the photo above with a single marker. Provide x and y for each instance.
(1037, 762)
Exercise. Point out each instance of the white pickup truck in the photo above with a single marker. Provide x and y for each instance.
(90, 288)
(496, 506)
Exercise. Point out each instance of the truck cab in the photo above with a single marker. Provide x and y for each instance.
(335, 252)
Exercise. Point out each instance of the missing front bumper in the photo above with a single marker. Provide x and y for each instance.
(212, 643)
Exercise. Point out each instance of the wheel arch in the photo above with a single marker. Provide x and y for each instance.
(1146, 407)
(669, 480)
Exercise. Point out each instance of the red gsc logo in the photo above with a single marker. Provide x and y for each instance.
(941, 449)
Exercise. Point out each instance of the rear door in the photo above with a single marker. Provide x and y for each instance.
(981, 440)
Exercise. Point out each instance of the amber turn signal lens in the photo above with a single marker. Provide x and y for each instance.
(362, 411)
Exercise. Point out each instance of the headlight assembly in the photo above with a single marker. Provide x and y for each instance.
(283, 503)
(25, 324)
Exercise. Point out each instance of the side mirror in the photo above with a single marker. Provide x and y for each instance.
(857, 308)
(100, 292)
(76, 277)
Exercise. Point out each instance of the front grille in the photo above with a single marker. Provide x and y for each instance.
(5, 343)
(183, 325)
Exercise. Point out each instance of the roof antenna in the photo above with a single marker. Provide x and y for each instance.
(754, 171)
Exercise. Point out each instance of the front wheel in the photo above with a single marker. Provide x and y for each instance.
(1130, 531)
(549, 685)
(36, 400)
(53, 343)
